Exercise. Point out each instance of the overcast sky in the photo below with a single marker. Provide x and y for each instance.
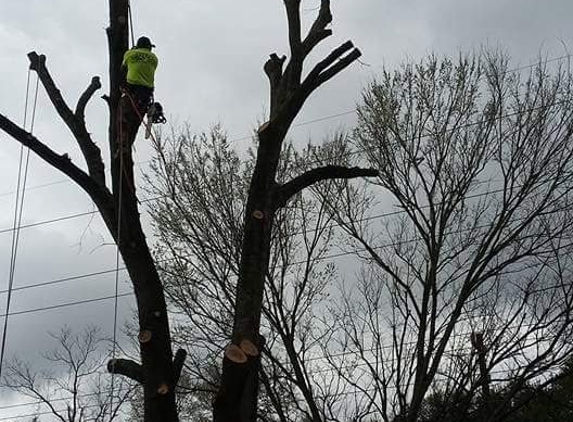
(211, 55)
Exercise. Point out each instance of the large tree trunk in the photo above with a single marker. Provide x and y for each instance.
(159, 378)
(237, 396)
(158, 371)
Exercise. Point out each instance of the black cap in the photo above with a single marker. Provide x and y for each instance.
(144, 42)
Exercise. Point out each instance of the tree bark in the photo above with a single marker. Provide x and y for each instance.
(157, 372)
(237, 396)
(156, 354)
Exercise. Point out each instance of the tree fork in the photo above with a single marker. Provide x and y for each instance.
(158, 371)
(237, 396)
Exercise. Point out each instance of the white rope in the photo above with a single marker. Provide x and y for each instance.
(117, 251)
(19, 209)
(131, 30)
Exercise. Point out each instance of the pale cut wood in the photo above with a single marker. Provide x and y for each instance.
(249, 348)
(235, 354)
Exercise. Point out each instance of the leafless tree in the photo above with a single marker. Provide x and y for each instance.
(290, 87)
(477, 161)
(71, 385)
(202, 185)
(158, 370)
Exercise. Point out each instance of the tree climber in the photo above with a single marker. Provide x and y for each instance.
(140, 64)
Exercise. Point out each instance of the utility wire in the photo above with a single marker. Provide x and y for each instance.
(305, 123)
(66, 305)
(304, 232)
(302, 262)
(131, 30)
(318, 161)
(330, 368)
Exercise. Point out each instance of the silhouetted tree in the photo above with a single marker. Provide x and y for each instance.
(158, 372)
(477, 161)
(71, 384)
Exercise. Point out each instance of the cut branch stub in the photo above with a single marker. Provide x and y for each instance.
(94, 85)
(235, 354)
(259, 215)
(128, 368)
(36, 60)
(249, 348)
(163, 389)
(145, 336)
(178, 363)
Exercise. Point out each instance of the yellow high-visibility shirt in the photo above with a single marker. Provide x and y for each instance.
(141, 64)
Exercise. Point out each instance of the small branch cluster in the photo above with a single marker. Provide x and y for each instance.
(288, 89)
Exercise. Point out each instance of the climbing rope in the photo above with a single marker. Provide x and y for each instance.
(131, 31)
(120, 151)
(22, 179)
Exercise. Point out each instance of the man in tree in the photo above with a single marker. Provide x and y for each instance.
(141, 63)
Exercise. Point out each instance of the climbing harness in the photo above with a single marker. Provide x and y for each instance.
(154, 115)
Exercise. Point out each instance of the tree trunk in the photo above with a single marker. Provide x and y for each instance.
(159, 379)
(237, 396)
(158, 372)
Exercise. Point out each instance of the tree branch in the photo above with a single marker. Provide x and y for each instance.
(318, 31)
(274, 70)
(288, 190)
(86, 97)
(294, 29)
(342, 64)
(313, 39)
(325, 70)
(100, 194)
(127, 368)
(90, 150)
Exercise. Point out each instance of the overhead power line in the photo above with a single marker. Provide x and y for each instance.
(86, 213)
(112, 270)
(23, 168)
(302, 262)
(66, 305)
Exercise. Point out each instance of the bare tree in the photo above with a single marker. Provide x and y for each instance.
(289, 89)
(159, 370)
(202, 184)
(72, 386)
(477, 161)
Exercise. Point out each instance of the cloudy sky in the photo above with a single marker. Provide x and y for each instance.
(211, 55)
